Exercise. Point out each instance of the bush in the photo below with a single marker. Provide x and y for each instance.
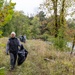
(59, 43)
(45, 37)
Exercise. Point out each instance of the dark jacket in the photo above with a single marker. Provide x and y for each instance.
(12, 45)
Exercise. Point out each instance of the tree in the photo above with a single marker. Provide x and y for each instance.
(59, 7)
(6, 12)
(55, 14)
(49, 5)
(35, 31)
(19, 23)
(41, 16)
(43, 21)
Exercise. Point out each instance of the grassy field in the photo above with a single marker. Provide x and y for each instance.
(42, 59)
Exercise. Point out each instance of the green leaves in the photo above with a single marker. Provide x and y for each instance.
(35, 28)
(1, 3)
(6, 12)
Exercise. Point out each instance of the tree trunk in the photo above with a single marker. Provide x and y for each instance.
(55, 13)
(62, 13)
(62, 18)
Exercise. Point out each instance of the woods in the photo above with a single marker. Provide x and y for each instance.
(6, 12)
(41, 26)
(54, 28)
(48, 33)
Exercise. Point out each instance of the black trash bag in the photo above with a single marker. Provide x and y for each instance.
(22, 54)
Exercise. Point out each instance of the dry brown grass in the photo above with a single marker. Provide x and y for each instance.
(38, 46)
(56, 62)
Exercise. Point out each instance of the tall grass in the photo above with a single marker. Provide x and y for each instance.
(43, 59)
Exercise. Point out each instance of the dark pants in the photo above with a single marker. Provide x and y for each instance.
(13, 58)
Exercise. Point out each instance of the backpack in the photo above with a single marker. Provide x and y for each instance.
(22, 39)
(13, 44)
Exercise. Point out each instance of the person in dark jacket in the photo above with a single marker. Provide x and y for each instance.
(12, 48)
(23, 38)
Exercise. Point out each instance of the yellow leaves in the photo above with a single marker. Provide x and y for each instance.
(6, 13)
(12, 4)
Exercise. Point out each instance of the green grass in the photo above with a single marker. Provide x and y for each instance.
(57, 63)
(2, 71)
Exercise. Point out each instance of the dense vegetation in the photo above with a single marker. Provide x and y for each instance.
(50, 55)
(43, 59)
(35, 27)
(39, 26)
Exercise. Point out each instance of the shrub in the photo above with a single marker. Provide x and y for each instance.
(59, 43)
(45, 37)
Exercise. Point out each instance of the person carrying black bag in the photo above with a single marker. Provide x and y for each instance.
(23, 38)
(12, 48)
